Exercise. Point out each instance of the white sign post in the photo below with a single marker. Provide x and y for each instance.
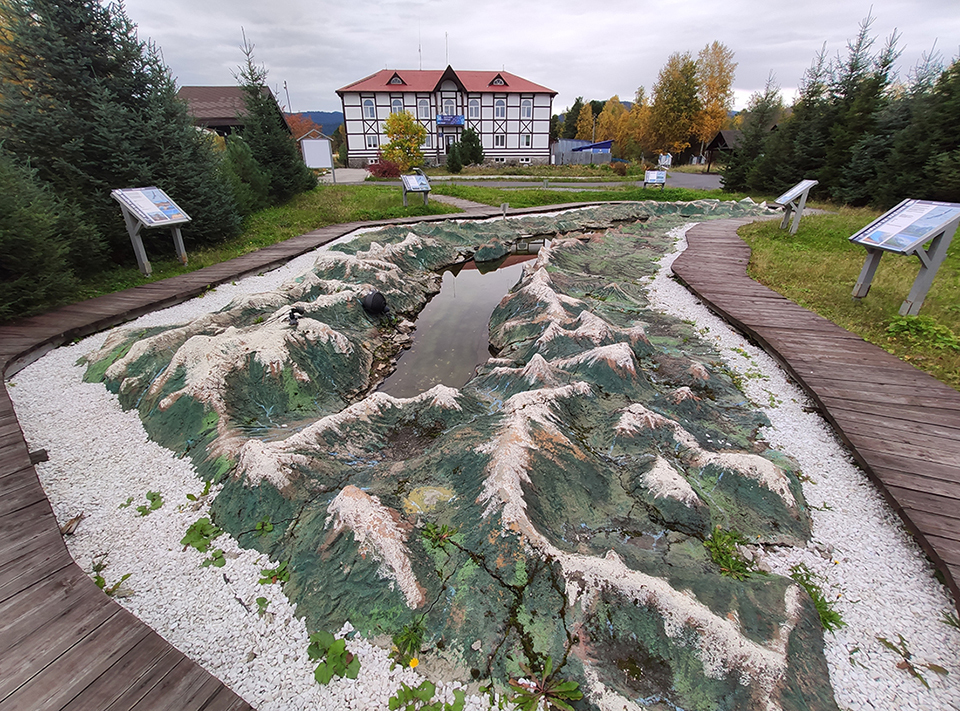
(150, 207)
(318, 153)
(905, 230)
(789, 203)
(655, 177)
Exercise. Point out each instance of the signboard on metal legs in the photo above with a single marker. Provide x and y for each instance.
(150, 207)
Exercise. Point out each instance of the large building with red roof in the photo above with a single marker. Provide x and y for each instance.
(510, 114)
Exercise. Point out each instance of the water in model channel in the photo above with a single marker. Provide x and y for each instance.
(452, 335)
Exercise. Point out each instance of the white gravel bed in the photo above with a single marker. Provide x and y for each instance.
(100, 457)
(881, 580)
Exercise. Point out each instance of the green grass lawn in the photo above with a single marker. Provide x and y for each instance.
(325, 205)
(818, 268)
(540, 197)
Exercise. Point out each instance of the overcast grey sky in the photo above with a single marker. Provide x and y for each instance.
(575, 47)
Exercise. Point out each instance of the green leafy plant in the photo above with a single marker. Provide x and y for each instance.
(419, 698)
(408, 642)
(206, 490)
(900, 647)
(262, 604)
(722, 547)
(98, 565)
(948, 618)
(923, 331)
(216, 559)
(155, 502)
(333, 656)
(437, 536)
(200, 535)
(126, 504)
(547, 689)
(807, 579)
(264, 526)
(273, 575)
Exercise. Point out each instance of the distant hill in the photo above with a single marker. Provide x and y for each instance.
(328, 120)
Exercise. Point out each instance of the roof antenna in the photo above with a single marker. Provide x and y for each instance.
(419, 45)
(446, 48)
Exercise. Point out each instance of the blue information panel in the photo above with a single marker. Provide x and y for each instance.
(415, 183)
(655, 177)
(907, 226)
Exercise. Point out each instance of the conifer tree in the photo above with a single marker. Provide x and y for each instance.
(454, 160)
(570, 119)
(471, 150)
(762, 112)
(92, 108)
(267, 135)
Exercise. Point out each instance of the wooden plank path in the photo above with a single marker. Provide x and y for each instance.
(63, 643)
(901, 425)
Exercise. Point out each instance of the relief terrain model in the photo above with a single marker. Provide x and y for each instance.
(554, 506)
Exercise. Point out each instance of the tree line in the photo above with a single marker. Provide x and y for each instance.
(86, 107)
(688, 104)
(867, 137)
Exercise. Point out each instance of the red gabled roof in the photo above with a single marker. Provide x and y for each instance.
(426, 80)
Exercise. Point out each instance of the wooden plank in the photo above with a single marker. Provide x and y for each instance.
(945, 526)
(79, 666)
(45, 644)
(948, 549)
(19, 528)
(187, 687)
(924, 501)
(226, 700)
(29, 610)
(890, 437)
(19, 491)
(43, 558)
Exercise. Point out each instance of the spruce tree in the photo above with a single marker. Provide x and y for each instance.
(92, 108)
(471, 150)
(762, 112)
(570, 119)
(454, 159)
(266, 133)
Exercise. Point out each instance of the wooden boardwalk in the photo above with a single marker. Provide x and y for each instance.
(902, 425)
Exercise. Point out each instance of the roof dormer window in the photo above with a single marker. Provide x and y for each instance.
(498, 81)
(396, 79)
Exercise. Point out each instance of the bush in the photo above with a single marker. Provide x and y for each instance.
(619, 168)
(249, 183)
(384, 169)
(454, 161)
(36, 230)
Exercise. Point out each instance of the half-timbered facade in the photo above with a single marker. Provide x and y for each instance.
(510, 114)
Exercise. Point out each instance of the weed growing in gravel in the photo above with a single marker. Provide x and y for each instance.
(547, 689)
(901, 648)
(216, 559)
(155, 502)
(280, 574)
(948, 618)
(206, 490)
(419, 698)
(200, 535)
(807, 579)
(333, 656)
(98, 565)
(408, 641)
(262, 604)
(722, 547)
(126, 504)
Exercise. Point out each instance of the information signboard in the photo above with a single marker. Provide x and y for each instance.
(151, 206)
(416, 183)
(906, 229)
(790, 202)
(655, 177)
(795, 192)
(907, 226)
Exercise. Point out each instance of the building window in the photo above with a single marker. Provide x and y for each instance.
(523, 160)
(372, 141)
(369, 110)
(372, 161)
(474, 107)
(423, 108)
(499, 140)
(449, 107)
(500, 159)
(500, 108)
(396, 106)
(526, 109)
(428, 141)
(526, 140)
